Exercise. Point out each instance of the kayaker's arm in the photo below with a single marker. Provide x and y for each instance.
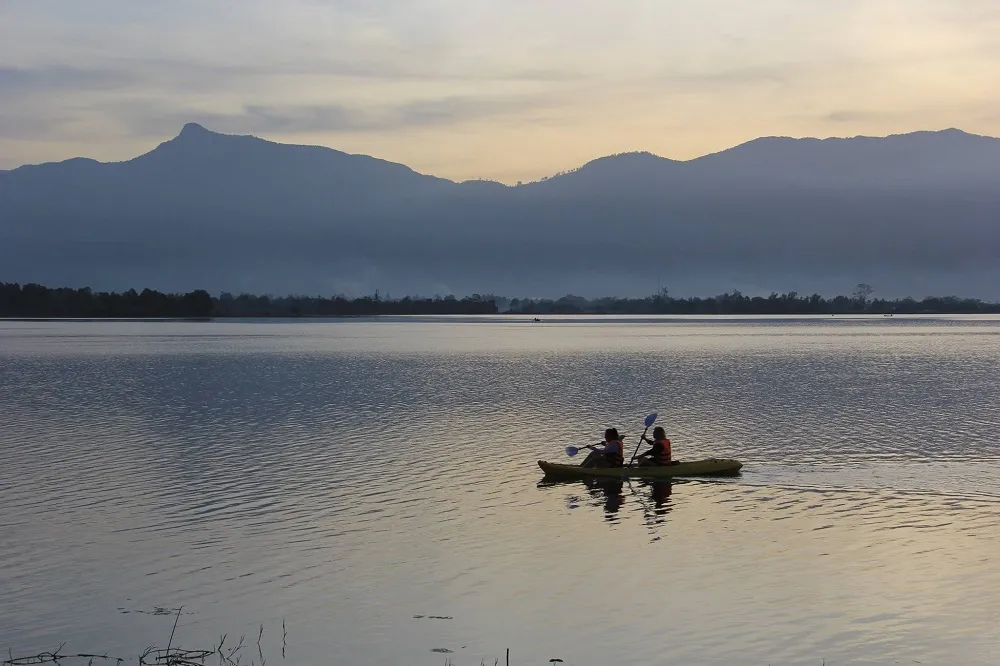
(652, 452)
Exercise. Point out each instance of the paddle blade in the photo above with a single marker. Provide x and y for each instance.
(650, 419)
(572, 451)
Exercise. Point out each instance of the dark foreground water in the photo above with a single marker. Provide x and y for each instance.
(374, 486)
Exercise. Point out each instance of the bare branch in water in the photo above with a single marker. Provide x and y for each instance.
(153, 656)
(176, 619)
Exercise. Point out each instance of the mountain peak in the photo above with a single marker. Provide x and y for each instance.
(191, 130)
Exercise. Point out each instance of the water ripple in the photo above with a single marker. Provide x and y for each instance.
(352, 476)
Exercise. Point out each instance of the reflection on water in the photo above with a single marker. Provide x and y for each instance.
(374, 485)
(651, 498)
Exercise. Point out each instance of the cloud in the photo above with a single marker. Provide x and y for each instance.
(21, 126)
(752, 75)
(62, 78)
(850, 116)
(146, 120)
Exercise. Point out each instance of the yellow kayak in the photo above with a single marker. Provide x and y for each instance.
(707, 467)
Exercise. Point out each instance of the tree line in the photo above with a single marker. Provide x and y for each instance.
(37, 301)
(737, 303)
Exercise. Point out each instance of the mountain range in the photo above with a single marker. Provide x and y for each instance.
(912, 214)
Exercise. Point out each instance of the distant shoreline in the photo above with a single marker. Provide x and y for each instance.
(32, 302)
(499, 315)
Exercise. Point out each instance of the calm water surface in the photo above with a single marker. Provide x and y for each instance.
(373, 484)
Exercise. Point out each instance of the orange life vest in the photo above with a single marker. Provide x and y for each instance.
(663, 455)
(615, 453)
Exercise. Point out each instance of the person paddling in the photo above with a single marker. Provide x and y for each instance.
(660, 453)
(611, 455)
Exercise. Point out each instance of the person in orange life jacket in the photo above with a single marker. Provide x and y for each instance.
(612, 455)
(660, 453)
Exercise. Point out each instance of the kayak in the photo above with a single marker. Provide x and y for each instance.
(707, 467)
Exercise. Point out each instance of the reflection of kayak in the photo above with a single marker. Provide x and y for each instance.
(707, 467)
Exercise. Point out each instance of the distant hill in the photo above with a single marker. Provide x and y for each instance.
(913, 214)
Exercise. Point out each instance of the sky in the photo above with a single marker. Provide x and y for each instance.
(501, 89)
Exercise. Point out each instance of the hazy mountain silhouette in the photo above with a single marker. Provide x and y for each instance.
(914, 214)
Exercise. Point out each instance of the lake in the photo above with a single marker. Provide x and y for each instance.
(373, 486)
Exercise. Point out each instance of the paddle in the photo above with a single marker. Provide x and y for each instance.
(649, 421)
(573, 450)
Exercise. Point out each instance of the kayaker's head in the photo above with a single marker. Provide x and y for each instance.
(611, 435)
(658, 434)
